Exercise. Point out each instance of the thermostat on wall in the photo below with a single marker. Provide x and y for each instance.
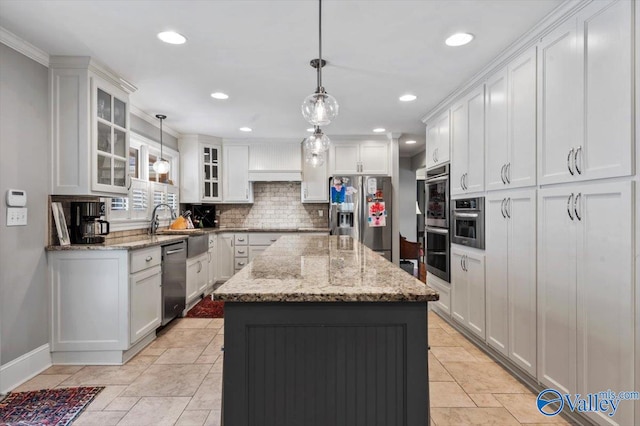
(16, 198)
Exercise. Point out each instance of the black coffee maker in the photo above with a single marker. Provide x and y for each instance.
(86, 225)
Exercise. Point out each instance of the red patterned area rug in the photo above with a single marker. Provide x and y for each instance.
(50, 407)
(207, 308)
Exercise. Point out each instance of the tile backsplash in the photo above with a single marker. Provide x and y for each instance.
(275, 205)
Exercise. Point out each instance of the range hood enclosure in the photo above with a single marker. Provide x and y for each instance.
(273, 162)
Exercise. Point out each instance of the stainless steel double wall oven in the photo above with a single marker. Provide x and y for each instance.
(437, 222)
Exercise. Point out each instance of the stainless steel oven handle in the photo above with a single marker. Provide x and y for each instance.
(440, 178)
(569, 205)
(466, 215)
(438, 230)
(174, 251)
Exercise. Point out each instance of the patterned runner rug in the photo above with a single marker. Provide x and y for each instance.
(51, 407)
(207, 308)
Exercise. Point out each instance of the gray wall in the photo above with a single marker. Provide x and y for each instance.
(407, 199)
(24, 154)
(148, 130)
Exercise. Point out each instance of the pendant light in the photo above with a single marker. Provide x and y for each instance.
(314, 159)
(319, 108)
(318, 142)
(161, 166)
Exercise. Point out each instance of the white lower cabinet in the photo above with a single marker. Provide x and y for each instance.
(585, 291)
(105, 304)
(511, 276)
(467, 289)
(197, 276)
(224, 257)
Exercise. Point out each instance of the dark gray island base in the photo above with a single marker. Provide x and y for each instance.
(311, 350)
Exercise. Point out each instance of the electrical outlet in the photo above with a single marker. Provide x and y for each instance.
(320, 213)
(16, 216)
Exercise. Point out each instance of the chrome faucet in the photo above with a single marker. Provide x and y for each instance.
(153, 227)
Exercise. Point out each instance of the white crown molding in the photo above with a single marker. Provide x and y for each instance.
(23, 368)
(525, 41)
(152, 120)
(27, 49)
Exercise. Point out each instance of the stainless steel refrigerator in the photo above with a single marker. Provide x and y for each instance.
(361, 208)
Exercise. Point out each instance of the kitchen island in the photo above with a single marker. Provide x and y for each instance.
(320, 330)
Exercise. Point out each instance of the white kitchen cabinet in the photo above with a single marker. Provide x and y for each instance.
(197, 276)
(511, 276)
(511, 124)
(212, 262)
(438, 141)
(200, 169)
(586, 95)
(315, 184)
(90, 128)
(367, 157)
(585, 290)
(275, 161)
(467, 143)
(236, 185)
(468, 289)
(146, 302)
(224, 257)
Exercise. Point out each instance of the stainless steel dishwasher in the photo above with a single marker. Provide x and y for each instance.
(174, 280)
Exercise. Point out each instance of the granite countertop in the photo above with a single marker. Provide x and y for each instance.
(198, 231)
(309, 268)
(124, 243)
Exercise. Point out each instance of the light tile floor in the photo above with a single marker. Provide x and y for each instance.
(177, 380)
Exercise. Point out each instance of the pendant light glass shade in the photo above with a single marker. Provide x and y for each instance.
(320, 108)
(161, 166)
(314, 159)
(318, 142)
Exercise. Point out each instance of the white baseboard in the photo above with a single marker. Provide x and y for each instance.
(23, 368)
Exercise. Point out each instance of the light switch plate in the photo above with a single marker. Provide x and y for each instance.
(16, 216)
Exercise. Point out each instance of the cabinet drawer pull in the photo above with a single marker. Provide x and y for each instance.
(240, 239)
(241, 263)
(273, 240)
(241, 251)
(149, 258)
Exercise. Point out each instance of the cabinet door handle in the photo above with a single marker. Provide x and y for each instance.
(464, 258)
(306, 193)
(504, 215)
(504, 182)
(569, 205)
(273, 240)
(507, 173)
(575, 205)
(246, 193)
(199, 266)
(149, 258)
(508, 207)
(462, 181)
(569, 161)
(466, 181)
(461, 262)
(575, 160)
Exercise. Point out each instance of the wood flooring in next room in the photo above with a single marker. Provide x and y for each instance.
(177, 380)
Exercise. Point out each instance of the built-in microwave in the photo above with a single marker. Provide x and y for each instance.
(467, 222)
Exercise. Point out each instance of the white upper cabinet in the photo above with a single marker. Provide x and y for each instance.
(438, 141)
(368, 157)
(202, 183)
(315, 184)
(586, 95)
(236, 185)
(467, 144)
(511, 125)
(89, 128)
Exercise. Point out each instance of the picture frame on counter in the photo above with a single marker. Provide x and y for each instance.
(61, 224)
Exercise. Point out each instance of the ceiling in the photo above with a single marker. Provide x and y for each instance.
(258, 52)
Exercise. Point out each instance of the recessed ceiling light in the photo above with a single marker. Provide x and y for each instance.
(409, 142)
(219, 95)
(408, 98)
(379, 129)
(172, 37)
(246, 129)
(459, 39)
(310, 129)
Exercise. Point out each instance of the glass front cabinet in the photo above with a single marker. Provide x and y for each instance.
(90, 128)
(202, 184)
(211, 172)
